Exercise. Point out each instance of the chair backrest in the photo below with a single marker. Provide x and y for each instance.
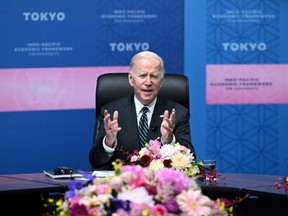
(111, 86)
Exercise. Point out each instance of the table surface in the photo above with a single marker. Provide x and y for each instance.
(262, 198)
(254, 184)
(250, 183)
(30, 182)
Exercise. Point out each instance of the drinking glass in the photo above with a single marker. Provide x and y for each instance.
(210, 170)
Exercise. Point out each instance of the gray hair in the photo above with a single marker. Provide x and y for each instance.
(148, 54)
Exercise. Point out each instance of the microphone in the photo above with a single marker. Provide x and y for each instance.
(153, 127)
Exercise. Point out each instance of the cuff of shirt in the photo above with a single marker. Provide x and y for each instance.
(171, 143)
(108, 149)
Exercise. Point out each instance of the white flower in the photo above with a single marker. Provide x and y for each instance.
(144, 151)
(134, 158)
(180, 162)
(167, 151)
(138, 195)
(156, 164)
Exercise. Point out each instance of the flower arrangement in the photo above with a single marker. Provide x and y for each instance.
(139, 191)
(157, 156)
(159, 180)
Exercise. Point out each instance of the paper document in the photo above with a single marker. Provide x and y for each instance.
(103, 173)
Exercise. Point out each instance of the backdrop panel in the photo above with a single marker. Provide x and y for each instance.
(247, 84)
(244, 42)
(26, 89)
(97, 34)
(51, 55)
(51, 33)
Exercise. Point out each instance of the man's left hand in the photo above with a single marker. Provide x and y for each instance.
(167, 126)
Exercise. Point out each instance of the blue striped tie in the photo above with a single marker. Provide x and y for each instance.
(143, 127)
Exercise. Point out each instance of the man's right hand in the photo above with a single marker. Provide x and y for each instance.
(111, 128)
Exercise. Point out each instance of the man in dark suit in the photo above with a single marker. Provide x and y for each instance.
(118, 130)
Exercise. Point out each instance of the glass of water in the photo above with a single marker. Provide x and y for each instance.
(210, 171)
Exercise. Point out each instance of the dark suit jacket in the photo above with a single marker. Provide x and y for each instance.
(128, 137)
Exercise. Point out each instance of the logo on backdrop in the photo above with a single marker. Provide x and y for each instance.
(261, 46)
(44, 16)
(127, 47)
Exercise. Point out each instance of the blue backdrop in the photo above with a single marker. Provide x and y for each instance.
(97, 33)
(58, 36)
(243, 138)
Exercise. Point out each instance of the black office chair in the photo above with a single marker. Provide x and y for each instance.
(111, 86)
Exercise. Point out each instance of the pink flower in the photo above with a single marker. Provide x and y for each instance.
(139, 209)
(175, 178)
(155, 147)
(94, 211)
(154, 144)
(121, 212)
(164, 193)
(103, 189)
(138, 195)
(77, 209)
(116, 183)
(74, 201)
(184, 150)
(133, 175)
(138, 170)
(194, 203)
(159, 210)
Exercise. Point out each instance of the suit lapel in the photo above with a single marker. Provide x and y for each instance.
(130, 123)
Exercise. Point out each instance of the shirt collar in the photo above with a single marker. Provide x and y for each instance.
(139, 105)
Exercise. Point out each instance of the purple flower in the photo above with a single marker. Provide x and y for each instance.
(73, 186)
(87, 176)
(117, 204)
(171, 205)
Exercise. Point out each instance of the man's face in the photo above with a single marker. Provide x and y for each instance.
(146, 79)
